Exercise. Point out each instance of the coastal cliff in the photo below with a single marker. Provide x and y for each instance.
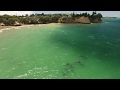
(96, 20)
(82, 20)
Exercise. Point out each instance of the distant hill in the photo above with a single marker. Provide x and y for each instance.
(109, 17)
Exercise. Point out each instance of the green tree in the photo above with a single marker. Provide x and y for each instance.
(11, 21)
(93, 13)
(99, 15)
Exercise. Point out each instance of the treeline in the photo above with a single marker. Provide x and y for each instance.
(42, 18)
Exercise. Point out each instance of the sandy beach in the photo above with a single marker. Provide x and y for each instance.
(3, 27)
(6, 27)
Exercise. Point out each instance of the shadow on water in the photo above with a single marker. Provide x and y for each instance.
(78, 39)
(88, 39)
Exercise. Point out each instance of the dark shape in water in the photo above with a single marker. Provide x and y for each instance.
(64, 74)
(68, 69)
(83, 57)
(80, 63)
(69, 65)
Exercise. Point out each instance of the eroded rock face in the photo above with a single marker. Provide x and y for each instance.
(83, 20)
(96, 20)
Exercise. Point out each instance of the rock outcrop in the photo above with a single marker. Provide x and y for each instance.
(83, 20)
(17, 24)
(95, 20)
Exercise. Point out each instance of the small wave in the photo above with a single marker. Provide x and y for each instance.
(106, 22)
(109, 43)
(6, 29)
(16, 28)
(21, 76)
(91, 36)
(33, 71)
(1, 30)
(3, 48)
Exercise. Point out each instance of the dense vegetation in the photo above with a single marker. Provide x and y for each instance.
(44, 18)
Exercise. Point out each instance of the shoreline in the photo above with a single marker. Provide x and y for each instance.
(2, 28)
(24, 25)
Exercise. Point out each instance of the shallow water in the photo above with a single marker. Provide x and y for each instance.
(61, 51)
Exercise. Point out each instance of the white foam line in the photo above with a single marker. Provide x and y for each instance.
(1, 30)
(6, 29)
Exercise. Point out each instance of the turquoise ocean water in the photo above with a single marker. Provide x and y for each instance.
(61, 51)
